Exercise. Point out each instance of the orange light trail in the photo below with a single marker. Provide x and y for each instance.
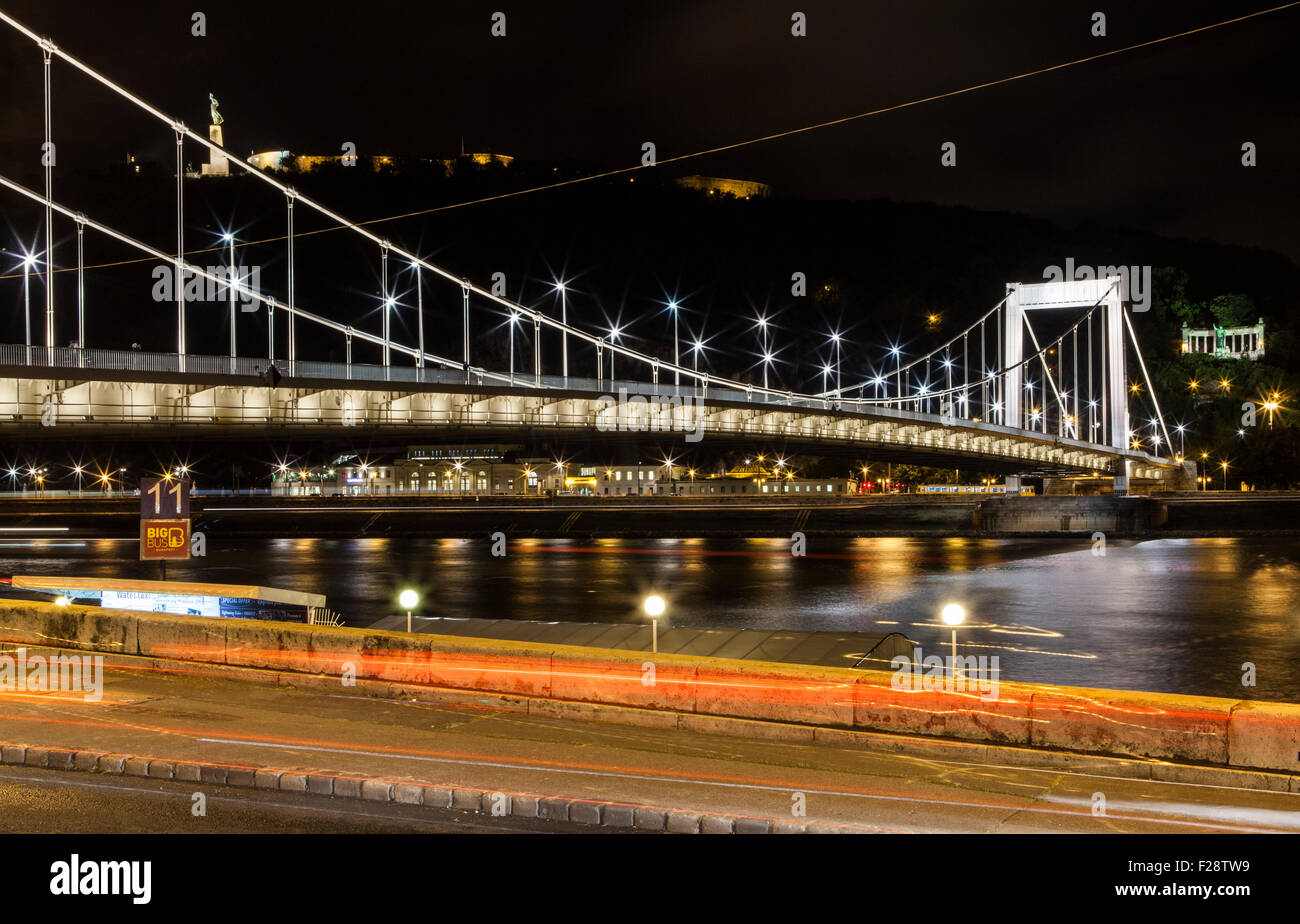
(647, 774)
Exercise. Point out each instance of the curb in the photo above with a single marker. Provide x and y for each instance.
(495, 803)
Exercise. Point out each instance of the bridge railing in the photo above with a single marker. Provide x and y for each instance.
(74, 358)
(286, 410)
(198, 364)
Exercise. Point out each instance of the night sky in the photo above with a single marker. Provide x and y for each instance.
(1151, 138)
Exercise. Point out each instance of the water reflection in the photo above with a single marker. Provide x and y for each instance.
(1176, 615)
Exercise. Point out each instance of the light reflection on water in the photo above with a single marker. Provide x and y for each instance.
(1174, 615)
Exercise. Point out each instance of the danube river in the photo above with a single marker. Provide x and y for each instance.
(1171, 615)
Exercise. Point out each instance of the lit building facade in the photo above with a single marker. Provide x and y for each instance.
(441, 471)
(718, 186)
(1226, 342)
(303, 163)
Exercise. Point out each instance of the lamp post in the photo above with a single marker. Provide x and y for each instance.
(696, 348)
(835, 339)
(229, 238)
(1271, 405)
(28, 262)
(614, 333)
(954, 614)
(419, 312)
(654, 607)
(408, 600)
(898, 374)
(677, 375)
(761, 323)
(1225, 475)
(514, 319)
(564, 336)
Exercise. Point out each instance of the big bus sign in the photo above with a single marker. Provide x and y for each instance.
(164, 519)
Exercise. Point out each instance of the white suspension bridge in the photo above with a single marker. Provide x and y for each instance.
(987, 398)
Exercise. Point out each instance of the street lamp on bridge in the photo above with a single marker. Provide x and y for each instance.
(615, 332)
(29, 262)
(564, 336)
(836, 337)
(231, 286)
(696, 349)
(677, 375)
(514, 321)
(898, 373)
(761, 323)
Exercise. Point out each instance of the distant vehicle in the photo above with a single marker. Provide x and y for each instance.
(968, 489)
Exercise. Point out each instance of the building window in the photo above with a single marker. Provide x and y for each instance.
(482, 481)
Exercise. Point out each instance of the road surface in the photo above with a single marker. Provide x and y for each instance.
(216, 716)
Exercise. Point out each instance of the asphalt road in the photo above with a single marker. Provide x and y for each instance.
(34, 801)
(210, 716)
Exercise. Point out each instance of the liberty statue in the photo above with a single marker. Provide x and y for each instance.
(212, 106)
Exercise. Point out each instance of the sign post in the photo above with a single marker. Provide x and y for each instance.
(164, 520)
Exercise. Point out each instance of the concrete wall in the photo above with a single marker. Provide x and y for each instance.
(1116, 516)
(1202, 730)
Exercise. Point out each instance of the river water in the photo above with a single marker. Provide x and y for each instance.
(1170, 615)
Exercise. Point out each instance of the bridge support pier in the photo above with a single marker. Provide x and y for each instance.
(1121, 481)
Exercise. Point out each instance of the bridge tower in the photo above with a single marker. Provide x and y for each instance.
(1107, 294)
